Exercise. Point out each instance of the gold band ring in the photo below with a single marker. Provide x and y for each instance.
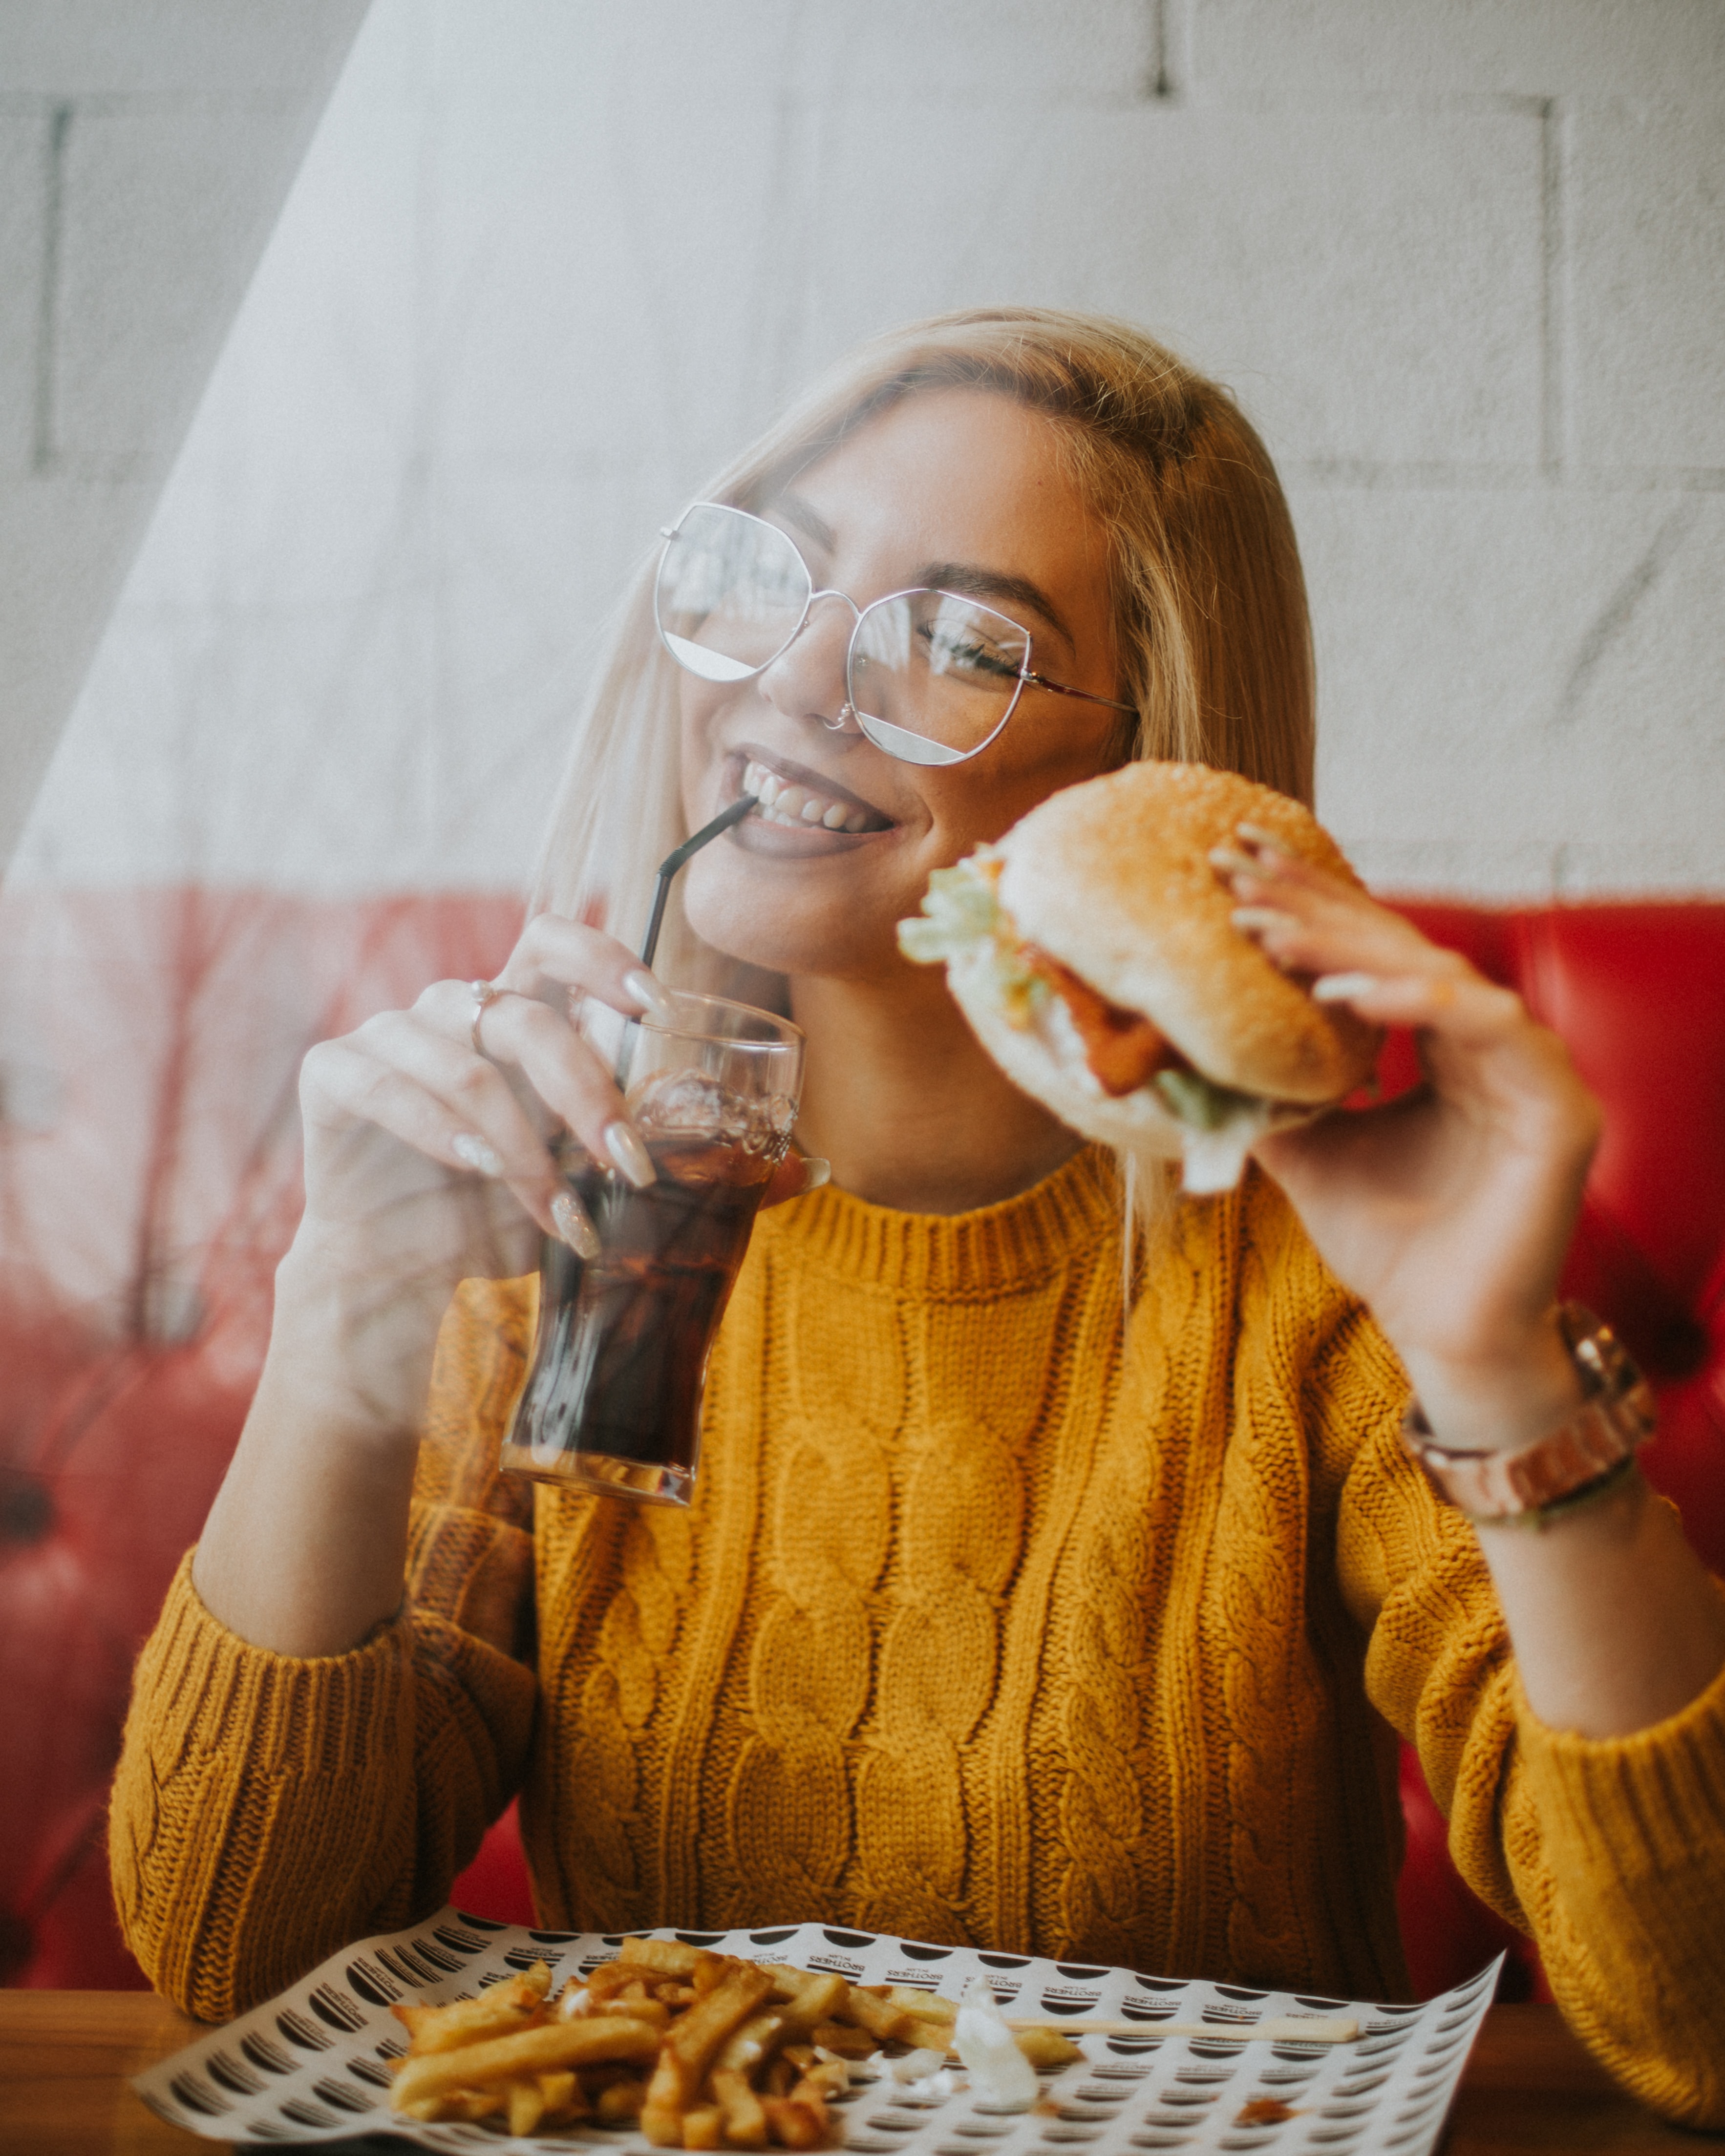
(483, 993)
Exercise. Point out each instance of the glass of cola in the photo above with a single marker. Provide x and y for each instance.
(612, 1401)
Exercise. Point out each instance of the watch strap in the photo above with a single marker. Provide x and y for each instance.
(1615, 1420)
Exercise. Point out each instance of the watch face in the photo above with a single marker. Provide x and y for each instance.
(1610, 1371)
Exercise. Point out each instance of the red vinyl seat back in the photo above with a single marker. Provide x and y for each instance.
(1637, 992)
(116, 1426)
(160, 1124)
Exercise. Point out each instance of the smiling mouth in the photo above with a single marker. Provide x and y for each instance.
(799, 805)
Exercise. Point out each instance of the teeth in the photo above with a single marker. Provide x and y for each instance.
(796, 808)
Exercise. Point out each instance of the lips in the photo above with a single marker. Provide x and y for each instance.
(799, 800)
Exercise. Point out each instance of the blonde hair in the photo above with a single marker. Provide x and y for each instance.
(1214, 649)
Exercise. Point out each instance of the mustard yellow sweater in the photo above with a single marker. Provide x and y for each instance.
(1001, 1616)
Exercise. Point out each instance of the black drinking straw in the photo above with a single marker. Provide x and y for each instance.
(676, 859)
(668, 868)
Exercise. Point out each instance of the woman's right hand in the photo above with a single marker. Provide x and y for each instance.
(428, 1162)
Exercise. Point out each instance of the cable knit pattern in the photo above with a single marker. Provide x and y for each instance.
(1001, 1613)
(1115, 1724)
(787, 1810)
(1273, 1701)
(962, 1509)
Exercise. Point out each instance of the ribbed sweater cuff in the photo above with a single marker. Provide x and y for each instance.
(1642, 1804)
(211, 1691)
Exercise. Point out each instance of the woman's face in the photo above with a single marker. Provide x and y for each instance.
(949, 487)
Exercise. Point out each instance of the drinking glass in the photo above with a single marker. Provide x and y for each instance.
(612, 1402)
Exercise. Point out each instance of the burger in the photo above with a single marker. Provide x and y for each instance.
(1094, 953)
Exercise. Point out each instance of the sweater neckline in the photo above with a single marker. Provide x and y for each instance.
(956, 1256)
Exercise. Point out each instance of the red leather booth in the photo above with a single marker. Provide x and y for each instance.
(147, 1184)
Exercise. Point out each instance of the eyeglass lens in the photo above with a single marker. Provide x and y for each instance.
(931, 676)
(731, 595)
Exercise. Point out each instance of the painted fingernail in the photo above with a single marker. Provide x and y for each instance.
(1344, 988)
(574, 1226)
(1260, 917)
(816, 1172)
(474, 1153)
(649, 993)
(1231, 862)
(1255, 834)
(623, 1141)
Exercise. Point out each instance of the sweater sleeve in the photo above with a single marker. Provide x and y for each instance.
(269, 1809)
(1610, 1851)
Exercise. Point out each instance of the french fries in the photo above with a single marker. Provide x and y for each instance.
(689, 2051)
(701, 2049)
(544, 2050)
(515, 2004)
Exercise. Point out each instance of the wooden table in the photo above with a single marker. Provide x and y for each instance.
(65, 2057)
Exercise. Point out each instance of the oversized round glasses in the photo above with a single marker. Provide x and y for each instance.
(930, 676)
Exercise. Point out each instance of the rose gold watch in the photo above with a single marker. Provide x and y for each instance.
(1589, 1453)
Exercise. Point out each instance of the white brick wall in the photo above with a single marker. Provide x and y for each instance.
(1464, 260)
(145, 149)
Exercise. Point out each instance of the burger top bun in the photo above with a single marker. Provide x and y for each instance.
(1113, 878)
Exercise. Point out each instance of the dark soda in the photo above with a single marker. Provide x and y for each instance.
(613, 1399)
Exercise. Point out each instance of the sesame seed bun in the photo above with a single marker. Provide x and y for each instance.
(1113, 878)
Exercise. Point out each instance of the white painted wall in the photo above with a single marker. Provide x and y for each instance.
(549, 260)
(146, 146)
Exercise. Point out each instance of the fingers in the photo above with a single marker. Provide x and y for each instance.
(795, 1175)
(1457, 1001)
(559, 1065)
(1356, 951)
(527, 1026)
(1309, 921)
(1473, 1034)
(408, 1079)
(416, 1076)
(568, 955)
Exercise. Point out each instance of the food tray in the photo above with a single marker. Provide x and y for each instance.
(311, 2066)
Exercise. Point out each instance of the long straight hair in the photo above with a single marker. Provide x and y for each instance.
(1208, 599)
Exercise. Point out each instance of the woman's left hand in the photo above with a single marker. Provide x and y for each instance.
(1449, 1209)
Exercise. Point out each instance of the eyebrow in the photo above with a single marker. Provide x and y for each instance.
(971, 581)
(967, 579)
(807, 521)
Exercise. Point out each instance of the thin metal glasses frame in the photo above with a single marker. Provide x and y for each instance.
(897, 741)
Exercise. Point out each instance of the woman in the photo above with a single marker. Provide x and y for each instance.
(1003, 1613)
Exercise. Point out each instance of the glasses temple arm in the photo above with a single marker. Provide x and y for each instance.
(1086, 696)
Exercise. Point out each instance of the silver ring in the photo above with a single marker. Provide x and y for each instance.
(847, 712)
(483, 993)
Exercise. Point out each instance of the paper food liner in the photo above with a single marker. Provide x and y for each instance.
(313, 2065)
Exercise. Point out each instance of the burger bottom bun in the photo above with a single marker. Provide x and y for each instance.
(1135, 1122)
